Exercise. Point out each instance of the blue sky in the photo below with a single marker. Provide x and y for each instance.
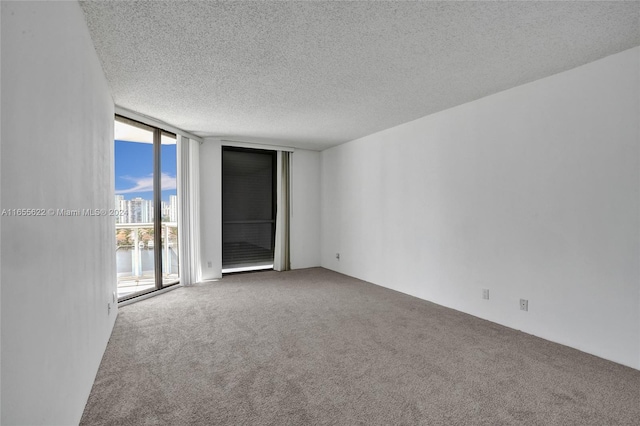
(134, 170)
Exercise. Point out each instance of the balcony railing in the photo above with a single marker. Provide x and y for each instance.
(135, 256)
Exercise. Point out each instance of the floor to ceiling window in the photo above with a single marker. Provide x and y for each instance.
(146, 200)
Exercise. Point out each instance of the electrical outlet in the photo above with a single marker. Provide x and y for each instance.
(524, 305)
(338, 256)
(485, 293)
(209, 264)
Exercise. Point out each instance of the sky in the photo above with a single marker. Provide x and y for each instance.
(134, 170)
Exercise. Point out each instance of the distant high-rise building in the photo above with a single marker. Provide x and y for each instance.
(140, 210)
(173, 208)
(120, 206)
(164, 209)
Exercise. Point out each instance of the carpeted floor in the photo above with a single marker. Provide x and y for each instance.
(314, 347)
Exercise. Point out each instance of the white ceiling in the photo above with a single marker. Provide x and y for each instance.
(317, 74)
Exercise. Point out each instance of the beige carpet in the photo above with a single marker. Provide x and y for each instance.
(314, 347)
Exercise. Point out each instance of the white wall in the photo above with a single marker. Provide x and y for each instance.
(305, 221)
(58, 273)
(532, 193)
(211, 208)
(305, 209)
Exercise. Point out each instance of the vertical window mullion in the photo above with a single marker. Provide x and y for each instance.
(157, 207)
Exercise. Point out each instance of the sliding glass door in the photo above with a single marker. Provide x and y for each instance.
(169, 213)
(248, 209)
(146, 203)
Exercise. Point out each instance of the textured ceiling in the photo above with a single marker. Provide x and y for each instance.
(317, 74)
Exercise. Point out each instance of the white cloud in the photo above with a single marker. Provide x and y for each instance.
(145, 184)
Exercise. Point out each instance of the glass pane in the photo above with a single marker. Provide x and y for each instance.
(134, 200)
(169, 222)
(248, 214)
